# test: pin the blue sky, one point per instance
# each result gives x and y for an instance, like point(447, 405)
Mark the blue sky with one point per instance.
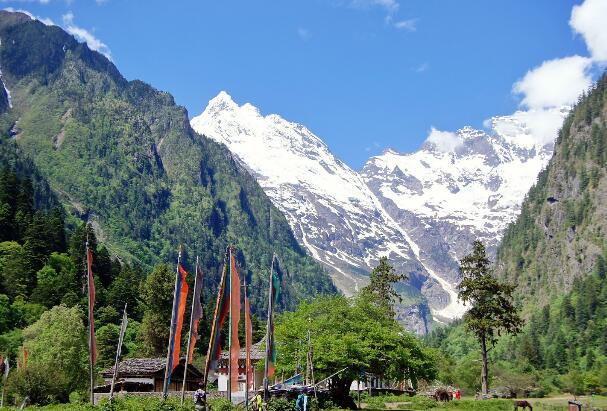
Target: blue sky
point(362, 74)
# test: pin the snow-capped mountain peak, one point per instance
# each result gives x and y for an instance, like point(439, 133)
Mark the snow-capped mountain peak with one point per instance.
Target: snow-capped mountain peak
point(421, 209)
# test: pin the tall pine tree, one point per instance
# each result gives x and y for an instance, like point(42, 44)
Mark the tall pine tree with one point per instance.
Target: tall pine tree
point(491, 309)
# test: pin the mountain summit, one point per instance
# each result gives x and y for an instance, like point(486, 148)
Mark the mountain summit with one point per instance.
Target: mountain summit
point(422, 210)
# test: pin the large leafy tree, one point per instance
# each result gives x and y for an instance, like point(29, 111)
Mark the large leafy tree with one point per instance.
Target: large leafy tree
point(58, 340)
point(492, 311)
point(157, 299)
point(353, 335)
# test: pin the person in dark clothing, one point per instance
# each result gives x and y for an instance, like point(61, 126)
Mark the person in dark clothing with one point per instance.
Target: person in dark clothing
point(200, 399)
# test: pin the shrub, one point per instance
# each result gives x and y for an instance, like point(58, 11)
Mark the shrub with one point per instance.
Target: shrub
point(281, 404)
point(221, 404)
point(41, 383)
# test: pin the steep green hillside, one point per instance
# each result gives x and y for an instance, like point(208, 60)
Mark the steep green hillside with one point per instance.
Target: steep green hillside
point(122, 155)
point(555, 253)
point(561, 230)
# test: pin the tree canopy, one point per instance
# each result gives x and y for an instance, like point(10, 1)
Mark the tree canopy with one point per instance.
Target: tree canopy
point(350, 333)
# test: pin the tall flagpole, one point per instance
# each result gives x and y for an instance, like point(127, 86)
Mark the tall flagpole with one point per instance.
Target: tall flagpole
point(165, 389)
point(229, 392)
point(268, 334)
point(247, 344)
point(118, 351)
point(88, 287)
point(187, 358)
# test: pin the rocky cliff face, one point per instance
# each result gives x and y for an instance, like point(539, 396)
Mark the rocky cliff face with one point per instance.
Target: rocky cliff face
point(560, 232)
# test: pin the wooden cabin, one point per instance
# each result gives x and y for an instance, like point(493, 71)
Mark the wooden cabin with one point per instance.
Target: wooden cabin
point(147, 375)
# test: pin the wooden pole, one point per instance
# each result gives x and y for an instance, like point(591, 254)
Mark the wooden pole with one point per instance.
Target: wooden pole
point(268, 334)
point(88, 287)
point(118, 351)
point(167, 371)
point(247, 343)
point(187, 355)
point(230, 327)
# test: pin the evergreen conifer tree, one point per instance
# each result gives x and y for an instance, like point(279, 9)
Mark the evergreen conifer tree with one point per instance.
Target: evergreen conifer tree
point(491, 307)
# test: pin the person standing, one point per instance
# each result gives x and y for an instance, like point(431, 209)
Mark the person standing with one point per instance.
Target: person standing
point(200, 399)
point(301, 404)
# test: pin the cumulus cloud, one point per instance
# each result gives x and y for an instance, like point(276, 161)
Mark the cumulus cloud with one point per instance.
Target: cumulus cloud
point(555, 82)
point(86, 36)
point(590, 20)
point(539, 127)
point(445, 141)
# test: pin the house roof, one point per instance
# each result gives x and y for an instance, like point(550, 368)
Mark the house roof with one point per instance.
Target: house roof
point(144, 367)
point(257, 352)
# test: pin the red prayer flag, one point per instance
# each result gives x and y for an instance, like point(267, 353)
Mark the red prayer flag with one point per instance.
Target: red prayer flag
point(196, 313)
point(235, 315)
point(91, 289)
point(183, 295)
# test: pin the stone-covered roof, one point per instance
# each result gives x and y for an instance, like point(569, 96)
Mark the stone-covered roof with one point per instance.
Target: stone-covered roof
point(257, 351)
point(147, 367)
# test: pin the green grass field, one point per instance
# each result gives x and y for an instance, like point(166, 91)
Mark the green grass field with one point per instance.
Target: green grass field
point(558, 403)
point(381, 403)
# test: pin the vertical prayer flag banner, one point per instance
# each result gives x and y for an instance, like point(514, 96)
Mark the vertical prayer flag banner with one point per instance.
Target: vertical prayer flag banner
point(91, 290)
point(235, 316)
point(276, 284)
point(196, 313)
point(179, 307)
point(248, 337)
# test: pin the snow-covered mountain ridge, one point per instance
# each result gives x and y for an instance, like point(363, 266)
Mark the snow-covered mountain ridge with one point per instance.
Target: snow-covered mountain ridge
point(420, 209)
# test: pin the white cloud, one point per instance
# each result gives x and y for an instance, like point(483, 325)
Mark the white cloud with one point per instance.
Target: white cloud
point(44, 20)
point(409, 25)
point(391, 6)
point(84, 35)
point(303, 33)
point(555, 82)
point(590, 20)
point(539, 127)
point(445, 141)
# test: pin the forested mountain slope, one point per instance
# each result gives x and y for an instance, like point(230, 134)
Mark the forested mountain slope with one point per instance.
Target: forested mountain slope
point(560, 233)
point(122, 155)
point(555, 254)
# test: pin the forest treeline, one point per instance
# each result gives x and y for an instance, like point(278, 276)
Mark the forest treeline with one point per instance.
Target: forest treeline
point(43, 296)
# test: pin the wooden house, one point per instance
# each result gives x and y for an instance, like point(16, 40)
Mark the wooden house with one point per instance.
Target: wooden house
point(147, 375)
